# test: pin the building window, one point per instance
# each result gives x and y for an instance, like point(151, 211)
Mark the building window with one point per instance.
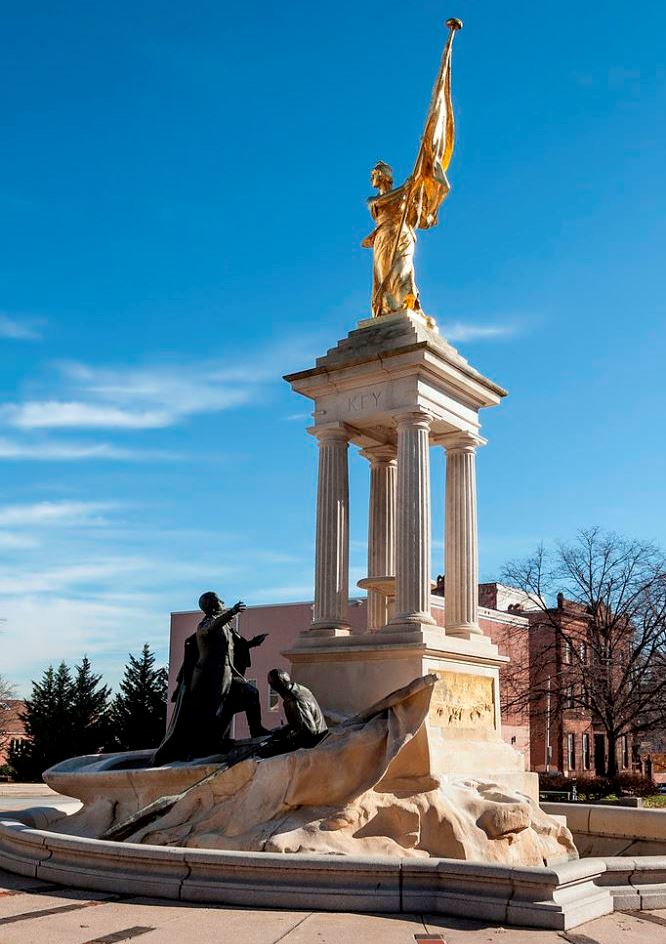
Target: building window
point(571, 751)
point(18, 745)
point(625, 751)
point(568, 651)
point(273, 700)
point(569, 702)
point(582, 652)
point(586, 752)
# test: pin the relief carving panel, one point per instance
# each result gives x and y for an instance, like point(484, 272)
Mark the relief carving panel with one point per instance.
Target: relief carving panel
point(460, 700)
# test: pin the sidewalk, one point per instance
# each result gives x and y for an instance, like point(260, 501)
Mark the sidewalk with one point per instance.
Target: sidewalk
point(26, 790)
point(17, 797)
point(33, 911)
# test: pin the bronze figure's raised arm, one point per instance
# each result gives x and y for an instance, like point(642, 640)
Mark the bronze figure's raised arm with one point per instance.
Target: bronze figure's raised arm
point(398, 212)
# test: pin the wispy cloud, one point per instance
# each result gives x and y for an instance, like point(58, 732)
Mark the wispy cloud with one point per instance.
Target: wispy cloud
point(68, 577)
point(59, 513)
point(18, 329)
point(467, 331)
point(128, 402)
point(10, 540)
point(148, 397)
point(72, 452)
point(106, 628)
point(50, 414)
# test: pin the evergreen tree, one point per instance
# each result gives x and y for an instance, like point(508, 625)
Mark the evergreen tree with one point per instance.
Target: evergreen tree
point(138, 712)
point(48, 719)
point(90, 710)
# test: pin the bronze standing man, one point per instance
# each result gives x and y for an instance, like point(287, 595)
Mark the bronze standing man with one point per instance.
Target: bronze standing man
point(210, 689)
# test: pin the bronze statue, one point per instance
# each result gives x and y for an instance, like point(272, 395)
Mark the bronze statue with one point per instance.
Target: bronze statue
point(210, 689)
point(399, 212)
point(305, 725)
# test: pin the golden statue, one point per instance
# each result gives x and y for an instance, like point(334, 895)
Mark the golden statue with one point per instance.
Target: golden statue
point(399, 212)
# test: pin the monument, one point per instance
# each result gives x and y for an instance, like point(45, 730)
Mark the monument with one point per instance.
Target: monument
point(395, 388)
point(394, 742)
point(391, 765)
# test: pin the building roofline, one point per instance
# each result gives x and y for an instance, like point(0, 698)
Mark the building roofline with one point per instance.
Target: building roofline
point(265, 606)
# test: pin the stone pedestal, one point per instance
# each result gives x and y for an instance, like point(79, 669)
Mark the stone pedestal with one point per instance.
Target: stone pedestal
point(394, 387)
point(461, 737)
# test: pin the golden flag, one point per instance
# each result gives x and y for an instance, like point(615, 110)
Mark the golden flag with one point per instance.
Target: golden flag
point(429, 183)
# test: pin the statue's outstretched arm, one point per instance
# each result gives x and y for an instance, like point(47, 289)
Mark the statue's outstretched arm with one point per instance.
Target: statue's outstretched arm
point(222, 620)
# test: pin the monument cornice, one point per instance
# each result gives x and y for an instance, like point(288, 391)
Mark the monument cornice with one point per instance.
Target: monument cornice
point(438, 358)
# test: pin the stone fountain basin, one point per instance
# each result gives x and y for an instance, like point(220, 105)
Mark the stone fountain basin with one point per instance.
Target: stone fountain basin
point(559, 897)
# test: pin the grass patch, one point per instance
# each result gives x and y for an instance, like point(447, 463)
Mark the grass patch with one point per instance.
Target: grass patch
point(655, 802)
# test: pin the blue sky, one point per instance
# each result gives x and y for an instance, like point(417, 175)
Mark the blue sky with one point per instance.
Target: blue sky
point(182, 200)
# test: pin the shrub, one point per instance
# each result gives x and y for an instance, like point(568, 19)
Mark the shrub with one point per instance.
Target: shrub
point(554, 781)
point(631, 784)
point(594, 788)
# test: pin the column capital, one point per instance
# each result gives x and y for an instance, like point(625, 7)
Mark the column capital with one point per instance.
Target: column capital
point(333, 432)
point(460, 442)
point(384, 453)
point(412, 418)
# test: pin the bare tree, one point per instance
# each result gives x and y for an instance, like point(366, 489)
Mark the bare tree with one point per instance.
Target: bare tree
point(598, 633)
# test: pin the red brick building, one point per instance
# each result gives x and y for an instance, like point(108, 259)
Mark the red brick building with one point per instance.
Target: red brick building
point(566, 734)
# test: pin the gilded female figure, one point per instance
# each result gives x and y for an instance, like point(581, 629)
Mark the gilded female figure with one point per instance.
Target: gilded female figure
point(393, 282)
point(399, 212)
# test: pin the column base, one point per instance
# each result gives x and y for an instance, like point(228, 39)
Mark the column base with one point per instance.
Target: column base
point(411, 631)
point(418, 619)
point(464, 630)
point(327, 630)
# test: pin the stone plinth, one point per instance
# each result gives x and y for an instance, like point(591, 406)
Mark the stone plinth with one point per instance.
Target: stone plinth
point(394, 388)
point(461, 737)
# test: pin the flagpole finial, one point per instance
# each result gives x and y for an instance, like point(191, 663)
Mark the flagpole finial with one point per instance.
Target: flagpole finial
point(454, 23)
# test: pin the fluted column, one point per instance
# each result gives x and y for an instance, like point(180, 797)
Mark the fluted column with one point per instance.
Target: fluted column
point(413, 542)
point(461, 594)
point(332, 542)
point(381, 527)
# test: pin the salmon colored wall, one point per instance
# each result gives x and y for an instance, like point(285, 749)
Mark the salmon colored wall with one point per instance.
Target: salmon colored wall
point(283, 622)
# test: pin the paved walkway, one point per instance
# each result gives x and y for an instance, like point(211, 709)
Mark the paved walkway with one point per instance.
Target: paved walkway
point(21, 796)
point(32, 911)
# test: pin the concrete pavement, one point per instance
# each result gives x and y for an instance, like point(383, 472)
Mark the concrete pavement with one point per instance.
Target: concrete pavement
point(32, 911)
point(15, 797)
